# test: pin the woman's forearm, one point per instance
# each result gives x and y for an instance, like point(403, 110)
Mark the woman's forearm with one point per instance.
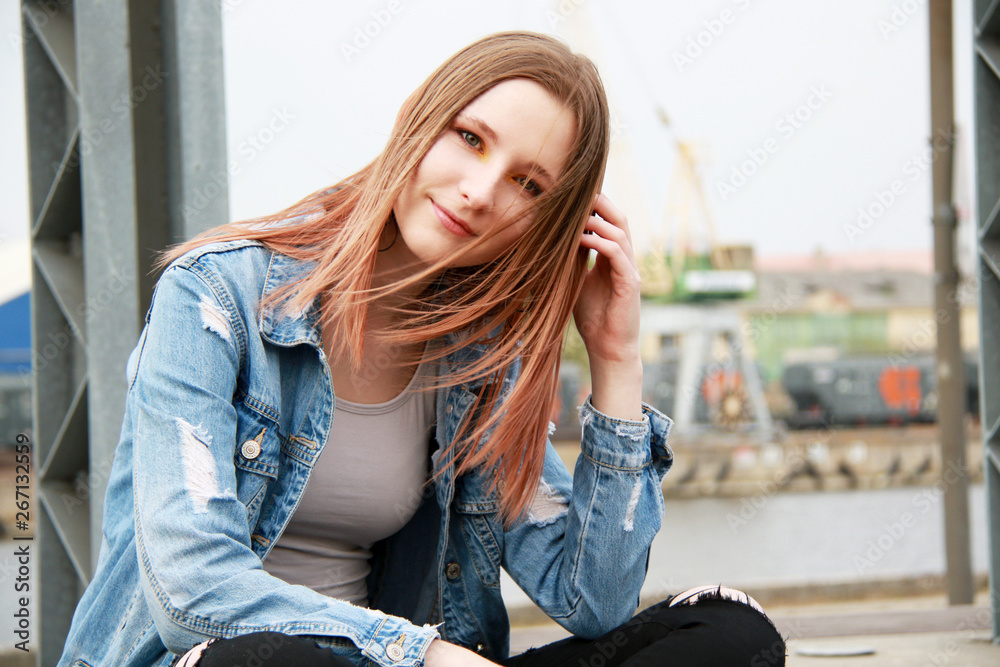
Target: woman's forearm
point(617, 388)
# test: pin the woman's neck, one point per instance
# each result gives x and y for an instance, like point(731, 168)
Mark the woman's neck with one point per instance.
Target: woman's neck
point(395, 362)
point(396, 264)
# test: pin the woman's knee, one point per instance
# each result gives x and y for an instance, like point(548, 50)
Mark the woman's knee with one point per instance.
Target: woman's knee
point(737, 618)
point(725, 620)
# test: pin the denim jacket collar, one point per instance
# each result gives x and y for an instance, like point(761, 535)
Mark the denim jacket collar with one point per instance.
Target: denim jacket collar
point(276, 324)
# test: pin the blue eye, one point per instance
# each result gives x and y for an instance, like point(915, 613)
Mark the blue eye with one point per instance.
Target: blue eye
point(471, 139)
point(529, 186)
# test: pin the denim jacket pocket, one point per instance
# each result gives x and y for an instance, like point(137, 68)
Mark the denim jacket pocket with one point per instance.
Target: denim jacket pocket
point(256, 460)
point(479, 536)
point(482, 535)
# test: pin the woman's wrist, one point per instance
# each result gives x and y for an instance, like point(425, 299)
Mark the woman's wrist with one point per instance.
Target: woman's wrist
point(443, 654)
point(617, 388)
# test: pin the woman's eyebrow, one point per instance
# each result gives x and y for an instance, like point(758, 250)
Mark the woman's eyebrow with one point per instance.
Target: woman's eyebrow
point(480, 125)
point(485, 129)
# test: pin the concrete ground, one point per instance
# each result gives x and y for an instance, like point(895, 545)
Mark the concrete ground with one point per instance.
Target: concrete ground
point(915, 632)
point(912, 631)
point(909, 650)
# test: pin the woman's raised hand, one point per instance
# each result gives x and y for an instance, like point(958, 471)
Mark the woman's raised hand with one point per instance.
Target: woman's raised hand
point(607, 313)
point(442, 654)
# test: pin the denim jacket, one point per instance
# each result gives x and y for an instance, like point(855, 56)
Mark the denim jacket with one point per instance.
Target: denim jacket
point(228, 409)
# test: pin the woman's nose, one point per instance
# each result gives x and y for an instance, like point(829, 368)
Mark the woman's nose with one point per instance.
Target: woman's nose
point(478, 187)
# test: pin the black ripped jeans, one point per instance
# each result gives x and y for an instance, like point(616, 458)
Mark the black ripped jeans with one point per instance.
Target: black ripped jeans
point(709, 633)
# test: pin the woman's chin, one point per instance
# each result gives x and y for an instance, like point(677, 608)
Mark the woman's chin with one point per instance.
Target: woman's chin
point(427, 250)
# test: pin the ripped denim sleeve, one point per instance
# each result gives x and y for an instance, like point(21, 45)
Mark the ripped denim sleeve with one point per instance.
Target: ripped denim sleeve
point(548, 505)
point(213, 319)
point(625, 443)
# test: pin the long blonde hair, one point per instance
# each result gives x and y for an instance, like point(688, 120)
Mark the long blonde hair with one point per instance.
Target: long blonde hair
point(517, 306)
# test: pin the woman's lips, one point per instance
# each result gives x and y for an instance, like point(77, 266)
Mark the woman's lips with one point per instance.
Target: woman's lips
point(451, 222)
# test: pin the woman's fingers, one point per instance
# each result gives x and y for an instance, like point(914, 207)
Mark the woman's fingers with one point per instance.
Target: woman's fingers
point(615, 252)
point(607, 231)
point(604, 207)
point(607, 312)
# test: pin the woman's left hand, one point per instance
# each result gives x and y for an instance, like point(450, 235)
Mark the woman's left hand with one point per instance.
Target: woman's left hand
point(607, 313)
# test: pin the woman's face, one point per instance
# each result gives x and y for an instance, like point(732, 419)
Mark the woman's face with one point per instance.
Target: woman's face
point(482, 174)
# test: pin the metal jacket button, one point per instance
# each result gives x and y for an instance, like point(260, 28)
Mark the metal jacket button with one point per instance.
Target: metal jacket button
point(394, 652)
point(453, 570)
point(250, 449)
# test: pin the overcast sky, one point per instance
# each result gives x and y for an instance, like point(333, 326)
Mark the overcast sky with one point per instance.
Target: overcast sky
point(799, 114)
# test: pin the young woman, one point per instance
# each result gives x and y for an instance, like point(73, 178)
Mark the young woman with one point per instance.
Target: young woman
point(337, 418)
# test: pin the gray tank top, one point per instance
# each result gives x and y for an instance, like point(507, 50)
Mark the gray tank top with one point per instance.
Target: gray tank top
point(365, 486)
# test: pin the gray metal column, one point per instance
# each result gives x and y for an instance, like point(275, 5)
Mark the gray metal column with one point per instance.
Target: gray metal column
point(986, 86)
point(59, 358)
point(126, 135)
point(950, 368)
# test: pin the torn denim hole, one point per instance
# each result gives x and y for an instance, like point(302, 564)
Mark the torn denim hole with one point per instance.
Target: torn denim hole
point(586, 416)
point(200, 479)
point(634, 432)
point(552, 428)
point(299, 314)
point(633, 502)
point(213, 319)
point(547, 506)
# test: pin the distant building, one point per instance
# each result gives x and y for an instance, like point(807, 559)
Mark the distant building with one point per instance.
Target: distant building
point(808, 308)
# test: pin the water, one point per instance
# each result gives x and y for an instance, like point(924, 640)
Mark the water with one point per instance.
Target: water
point(802, 539)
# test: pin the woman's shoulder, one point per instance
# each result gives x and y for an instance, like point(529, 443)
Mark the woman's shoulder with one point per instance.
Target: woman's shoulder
point(246, 269)
point(241, 253)
point(233, 261)
point(234, 270)
point(222, 252)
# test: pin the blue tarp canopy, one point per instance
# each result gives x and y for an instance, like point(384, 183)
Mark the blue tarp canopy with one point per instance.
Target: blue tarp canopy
point(15, 307)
